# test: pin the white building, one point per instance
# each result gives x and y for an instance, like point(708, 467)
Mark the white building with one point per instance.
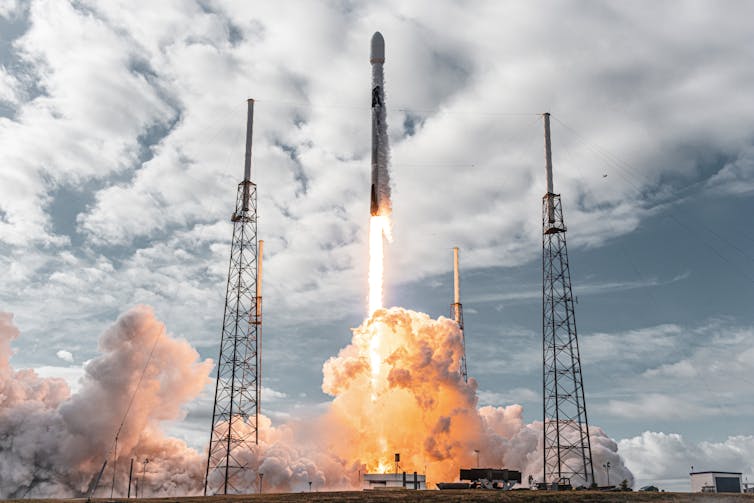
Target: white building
point(394, 481)
point(715, 482)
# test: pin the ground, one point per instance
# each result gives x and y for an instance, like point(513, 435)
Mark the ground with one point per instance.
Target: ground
point(431, 496)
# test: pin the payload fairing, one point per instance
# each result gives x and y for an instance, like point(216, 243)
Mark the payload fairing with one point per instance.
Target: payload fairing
point(380, 193)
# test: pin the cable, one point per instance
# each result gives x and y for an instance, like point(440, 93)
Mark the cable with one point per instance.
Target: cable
point(655, 303)
point(394, 109)
point(625, 168)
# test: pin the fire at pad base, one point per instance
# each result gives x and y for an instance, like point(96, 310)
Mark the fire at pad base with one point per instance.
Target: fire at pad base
point(377, 481)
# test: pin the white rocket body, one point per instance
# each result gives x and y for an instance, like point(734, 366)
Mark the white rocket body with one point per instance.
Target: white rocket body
point(380, 191)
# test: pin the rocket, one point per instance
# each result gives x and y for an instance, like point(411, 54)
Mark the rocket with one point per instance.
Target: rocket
point(380, 191)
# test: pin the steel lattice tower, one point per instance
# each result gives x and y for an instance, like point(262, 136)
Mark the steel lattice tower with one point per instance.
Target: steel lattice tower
point(456, 312)
point(236, 410)
point(567, 447)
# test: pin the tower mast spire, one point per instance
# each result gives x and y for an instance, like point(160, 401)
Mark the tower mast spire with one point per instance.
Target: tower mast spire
point(456, 311)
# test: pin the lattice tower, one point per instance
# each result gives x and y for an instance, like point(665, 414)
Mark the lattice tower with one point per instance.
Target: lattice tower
point(235, 413)
point(567, 446)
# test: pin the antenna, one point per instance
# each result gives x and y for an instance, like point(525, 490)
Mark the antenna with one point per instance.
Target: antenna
point(548, 170)
point(247, 159)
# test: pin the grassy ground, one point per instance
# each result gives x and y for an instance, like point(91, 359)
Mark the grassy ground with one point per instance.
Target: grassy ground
point(441, 496)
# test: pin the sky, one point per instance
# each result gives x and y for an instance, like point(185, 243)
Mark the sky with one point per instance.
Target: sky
point(122, 144)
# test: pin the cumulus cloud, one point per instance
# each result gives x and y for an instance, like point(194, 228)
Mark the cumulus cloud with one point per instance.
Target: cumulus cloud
point(8, 86)
point(53, 442)
point(65, 355)
point(667, 458)
point(516, 395)
point(122, 155)
point(69, 50)
point(177, 83)
point(657, 406)
point(737, 176)
point(674, 372)
point(272, 394)
point(8, 7)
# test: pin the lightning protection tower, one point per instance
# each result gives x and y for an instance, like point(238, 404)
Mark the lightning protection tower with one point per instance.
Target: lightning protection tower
point(235, 413)
point(567, 448)
point(456, 311)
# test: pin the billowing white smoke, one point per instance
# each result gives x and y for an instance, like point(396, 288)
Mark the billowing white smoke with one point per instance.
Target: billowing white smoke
point(292, 455)
point(52, 443)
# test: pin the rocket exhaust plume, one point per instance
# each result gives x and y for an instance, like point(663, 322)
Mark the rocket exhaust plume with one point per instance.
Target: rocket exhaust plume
point(379, 230)
point(422, 407)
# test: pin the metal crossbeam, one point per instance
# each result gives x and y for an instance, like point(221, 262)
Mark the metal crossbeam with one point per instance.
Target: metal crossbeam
point(235, 414)
point(567, 447)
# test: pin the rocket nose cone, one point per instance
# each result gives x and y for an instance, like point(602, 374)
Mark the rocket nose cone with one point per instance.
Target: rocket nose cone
point(377, 54)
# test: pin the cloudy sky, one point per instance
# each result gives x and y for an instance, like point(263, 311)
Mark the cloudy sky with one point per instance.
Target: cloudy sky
point(121, 145)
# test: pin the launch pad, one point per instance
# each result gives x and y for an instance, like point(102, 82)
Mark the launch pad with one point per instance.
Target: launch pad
point(381, 481)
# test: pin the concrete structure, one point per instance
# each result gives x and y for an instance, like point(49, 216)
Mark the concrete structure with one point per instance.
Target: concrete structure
point(715, 482)
point(394, 481)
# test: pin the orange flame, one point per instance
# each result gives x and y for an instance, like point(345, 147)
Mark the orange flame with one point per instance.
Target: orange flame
point(420, 405)
point(379, 229)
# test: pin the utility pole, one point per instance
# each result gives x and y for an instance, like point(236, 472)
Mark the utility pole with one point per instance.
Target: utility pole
point(130, 475)
point(143, 474)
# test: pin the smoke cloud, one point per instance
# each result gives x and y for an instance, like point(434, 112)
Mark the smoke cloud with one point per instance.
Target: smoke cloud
point(422, 408)
point(53, 443)
point(396, 388)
